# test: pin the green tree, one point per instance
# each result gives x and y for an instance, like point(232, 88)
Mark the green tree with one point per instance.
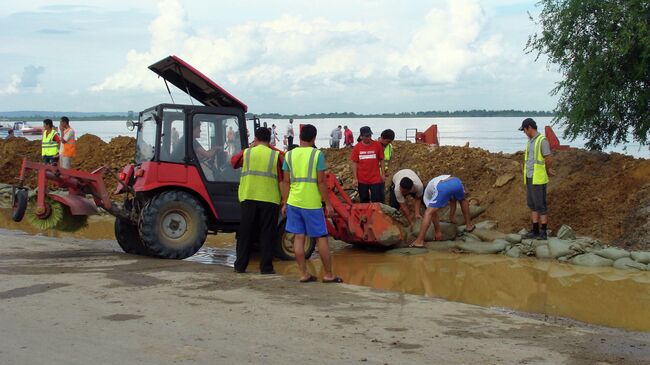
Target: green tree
point(602, 49)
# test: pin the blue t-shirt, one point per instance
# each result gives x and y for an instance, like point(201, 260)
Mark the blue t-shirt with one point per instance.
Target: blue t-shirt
point(320, 163)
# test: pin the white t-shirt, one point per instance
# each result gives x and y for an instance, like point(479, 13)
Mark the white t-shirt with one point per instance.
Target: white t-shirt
point(431, 192)
point(418, 187)
point(290, 130)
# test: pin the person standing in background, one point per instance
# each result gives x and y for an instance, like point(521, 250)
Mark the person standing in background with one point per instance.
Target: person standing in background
point(10, 135)
point(348, 138)
point(50, 143)
point(290, 133)
point(386, 139)
point(68, 143)
point(538, 166)
point(336, 136)
point(274, 136)
point(368, 167)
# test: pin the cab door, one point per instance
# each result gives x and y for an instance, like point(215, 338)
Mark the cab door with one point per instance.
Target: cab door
point(216, 136)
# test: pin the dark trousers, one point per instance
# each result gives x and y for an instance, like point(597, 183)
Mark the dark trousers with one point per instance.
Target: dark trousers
point(289, 141)
point(50, 160)
point(371, 192)
point(258, 220)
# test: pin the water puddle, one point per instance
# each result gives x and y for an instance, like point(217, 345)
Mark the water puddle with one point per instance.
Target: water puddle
point(604, 296)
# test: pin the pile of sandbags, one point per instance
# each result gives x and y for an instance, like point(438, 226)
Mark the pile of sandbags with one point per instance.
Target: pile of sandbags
point(566, 247)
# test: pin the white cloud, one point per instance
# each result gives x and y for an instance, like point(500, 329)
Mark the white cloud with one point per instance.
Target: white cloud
point(27, 81)
point(292, 55)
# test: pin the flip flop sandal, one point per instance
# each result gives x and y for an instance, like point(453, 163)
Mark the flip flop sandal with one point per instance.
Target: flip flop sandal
point(310, 279)
point(336, 279)
point(471, 230)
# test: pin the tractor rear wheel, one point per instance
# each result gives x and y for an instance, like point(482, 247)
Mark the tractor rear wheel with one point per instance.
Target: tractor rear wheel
point(19, 205)
point(284, 245)
point(173, 225)
point(128, 237)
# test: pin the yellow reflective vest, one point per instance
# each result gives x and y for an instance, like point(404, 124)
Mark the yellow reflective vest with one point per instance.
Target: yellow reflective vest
point(388, 153)
point(540, 176)
point(259, 175)
point(304, 193)
point(49, 148)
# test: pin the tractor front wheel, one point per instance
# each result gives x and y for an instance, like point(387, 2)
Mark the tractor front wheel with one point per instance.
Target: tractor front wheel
point(173, 225)
point(284, 245)
point(128, 237)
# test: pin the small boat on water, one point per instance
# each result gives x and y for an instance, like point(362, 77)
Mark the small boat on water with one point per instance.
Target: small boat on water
point(24, 128)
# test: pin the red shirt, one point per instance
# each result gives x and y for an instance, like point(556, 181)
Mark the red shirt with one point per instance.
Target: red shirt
point(349, 139)
point(368, 158)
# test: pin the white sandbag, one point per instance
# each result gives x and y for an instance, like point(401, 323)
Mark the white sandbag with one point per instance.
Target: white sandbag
point(488, 235)
point(626, 263)
point(471, 237)
point(612, 253)
point(448, 231)
point(641, 256)
point(483, 247)
point(489, 225)
point(513, 238)
point(542, 252)
point(566, 233)
point(558, 247)
point(514, 252)
point(591, 259)
point(523, 232)
point(441, 245)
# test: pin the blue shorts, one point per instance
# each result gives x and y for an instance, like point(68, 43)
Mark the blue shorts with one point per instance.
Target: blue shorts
point(310, 222)
point(452, 188)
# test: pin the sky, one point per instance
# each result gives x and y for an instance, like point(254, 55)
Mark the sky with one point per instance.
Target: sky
point(277, 56)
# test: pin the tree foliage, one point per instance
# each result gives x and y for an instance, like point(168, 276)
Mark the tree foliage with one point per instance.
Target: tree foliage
point(602, 49)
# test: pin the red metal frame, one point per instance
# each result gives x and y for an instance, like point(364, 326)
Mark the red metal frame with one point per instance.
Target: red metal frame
point(78, 183)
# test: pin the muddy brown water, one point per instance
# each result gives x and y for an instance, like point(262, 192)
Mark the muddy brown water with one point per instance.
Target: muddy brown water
point(604, 296)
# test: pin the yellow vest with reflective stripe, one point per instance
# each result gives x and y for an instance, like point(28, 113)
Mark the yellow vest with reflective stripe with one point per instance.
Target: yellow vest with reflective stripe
point(49, 148)
point(304, 191)
point(388, 153)
point(540, 177)
point(259, 175)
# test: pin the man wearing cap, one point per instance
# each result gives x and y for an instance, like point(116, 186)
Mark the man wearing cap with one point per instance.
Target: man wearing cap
point(538, 166)
point(368, 167)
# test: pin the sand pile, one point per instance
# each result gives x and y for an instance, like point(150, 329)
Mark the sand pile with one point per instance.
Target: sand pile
point(92, 153)
point(601, 195)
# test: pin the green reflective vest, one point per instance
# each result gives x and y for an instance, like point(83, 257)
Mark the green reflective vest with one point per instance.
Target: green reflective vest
point(388, 153)
point(259, 175)
point(540, 177)
point(304, 191)
point(49, 148)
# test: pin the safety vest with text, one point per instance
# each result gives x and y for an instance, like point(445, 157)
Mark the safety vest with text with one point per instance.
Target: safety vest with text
point(259, 175)
point(304, 191)
point(540, 176)
point(69, 147)
point(49, 148)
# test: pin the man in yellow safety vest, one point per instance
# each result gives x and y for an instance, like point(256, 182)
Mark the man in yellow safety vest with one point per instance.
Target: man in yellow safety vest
point(259, 196)
point(49, 143)
point(386, 139)
point(538, 166)
point(303, 192)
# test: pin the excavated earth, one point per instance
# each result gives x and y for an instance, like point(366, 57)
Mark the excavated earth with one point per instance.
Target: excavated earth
point(606, 196)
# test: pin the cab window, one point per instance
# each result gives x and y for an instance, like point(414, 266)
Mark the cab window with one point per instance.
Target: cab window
point(215, 139)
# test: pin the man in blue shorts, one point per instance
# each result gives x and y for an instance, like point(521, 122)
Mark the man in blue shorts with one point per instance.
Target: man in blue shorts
point(440, 191)
point(303, 191)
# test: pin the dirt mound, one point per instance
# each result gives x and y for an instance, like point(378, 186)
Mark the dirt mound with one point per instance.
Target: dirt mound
point(92, 153)
point(602, 195)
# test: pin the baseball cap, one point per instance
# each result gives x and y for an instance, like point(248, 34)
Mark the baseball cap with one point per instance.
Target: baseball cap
point(365, 131)
point(528, 122)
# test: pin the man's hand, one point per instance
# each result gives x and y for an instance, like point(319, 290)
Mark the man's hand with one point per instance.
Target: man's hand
point(329, 209)
point(438, 236)
point(283, 210)
point(551, 172)
point(418, 215)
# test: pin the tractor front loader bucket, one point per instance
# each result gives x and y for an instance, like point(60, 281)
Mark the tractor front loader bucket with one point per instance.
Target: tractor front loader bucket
point(372, 224)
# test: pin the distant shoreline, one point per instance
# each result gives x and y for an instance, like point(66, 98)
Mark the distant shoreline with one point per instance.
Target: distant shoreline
point(12, 116)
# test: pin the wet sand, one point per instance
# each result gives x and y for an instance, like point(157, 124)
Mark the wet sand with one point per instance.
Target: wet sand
point(68, 301)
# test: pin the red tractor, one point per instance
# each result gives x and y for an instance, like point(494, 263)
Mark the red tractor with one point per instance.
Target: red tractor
point(182, 186)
